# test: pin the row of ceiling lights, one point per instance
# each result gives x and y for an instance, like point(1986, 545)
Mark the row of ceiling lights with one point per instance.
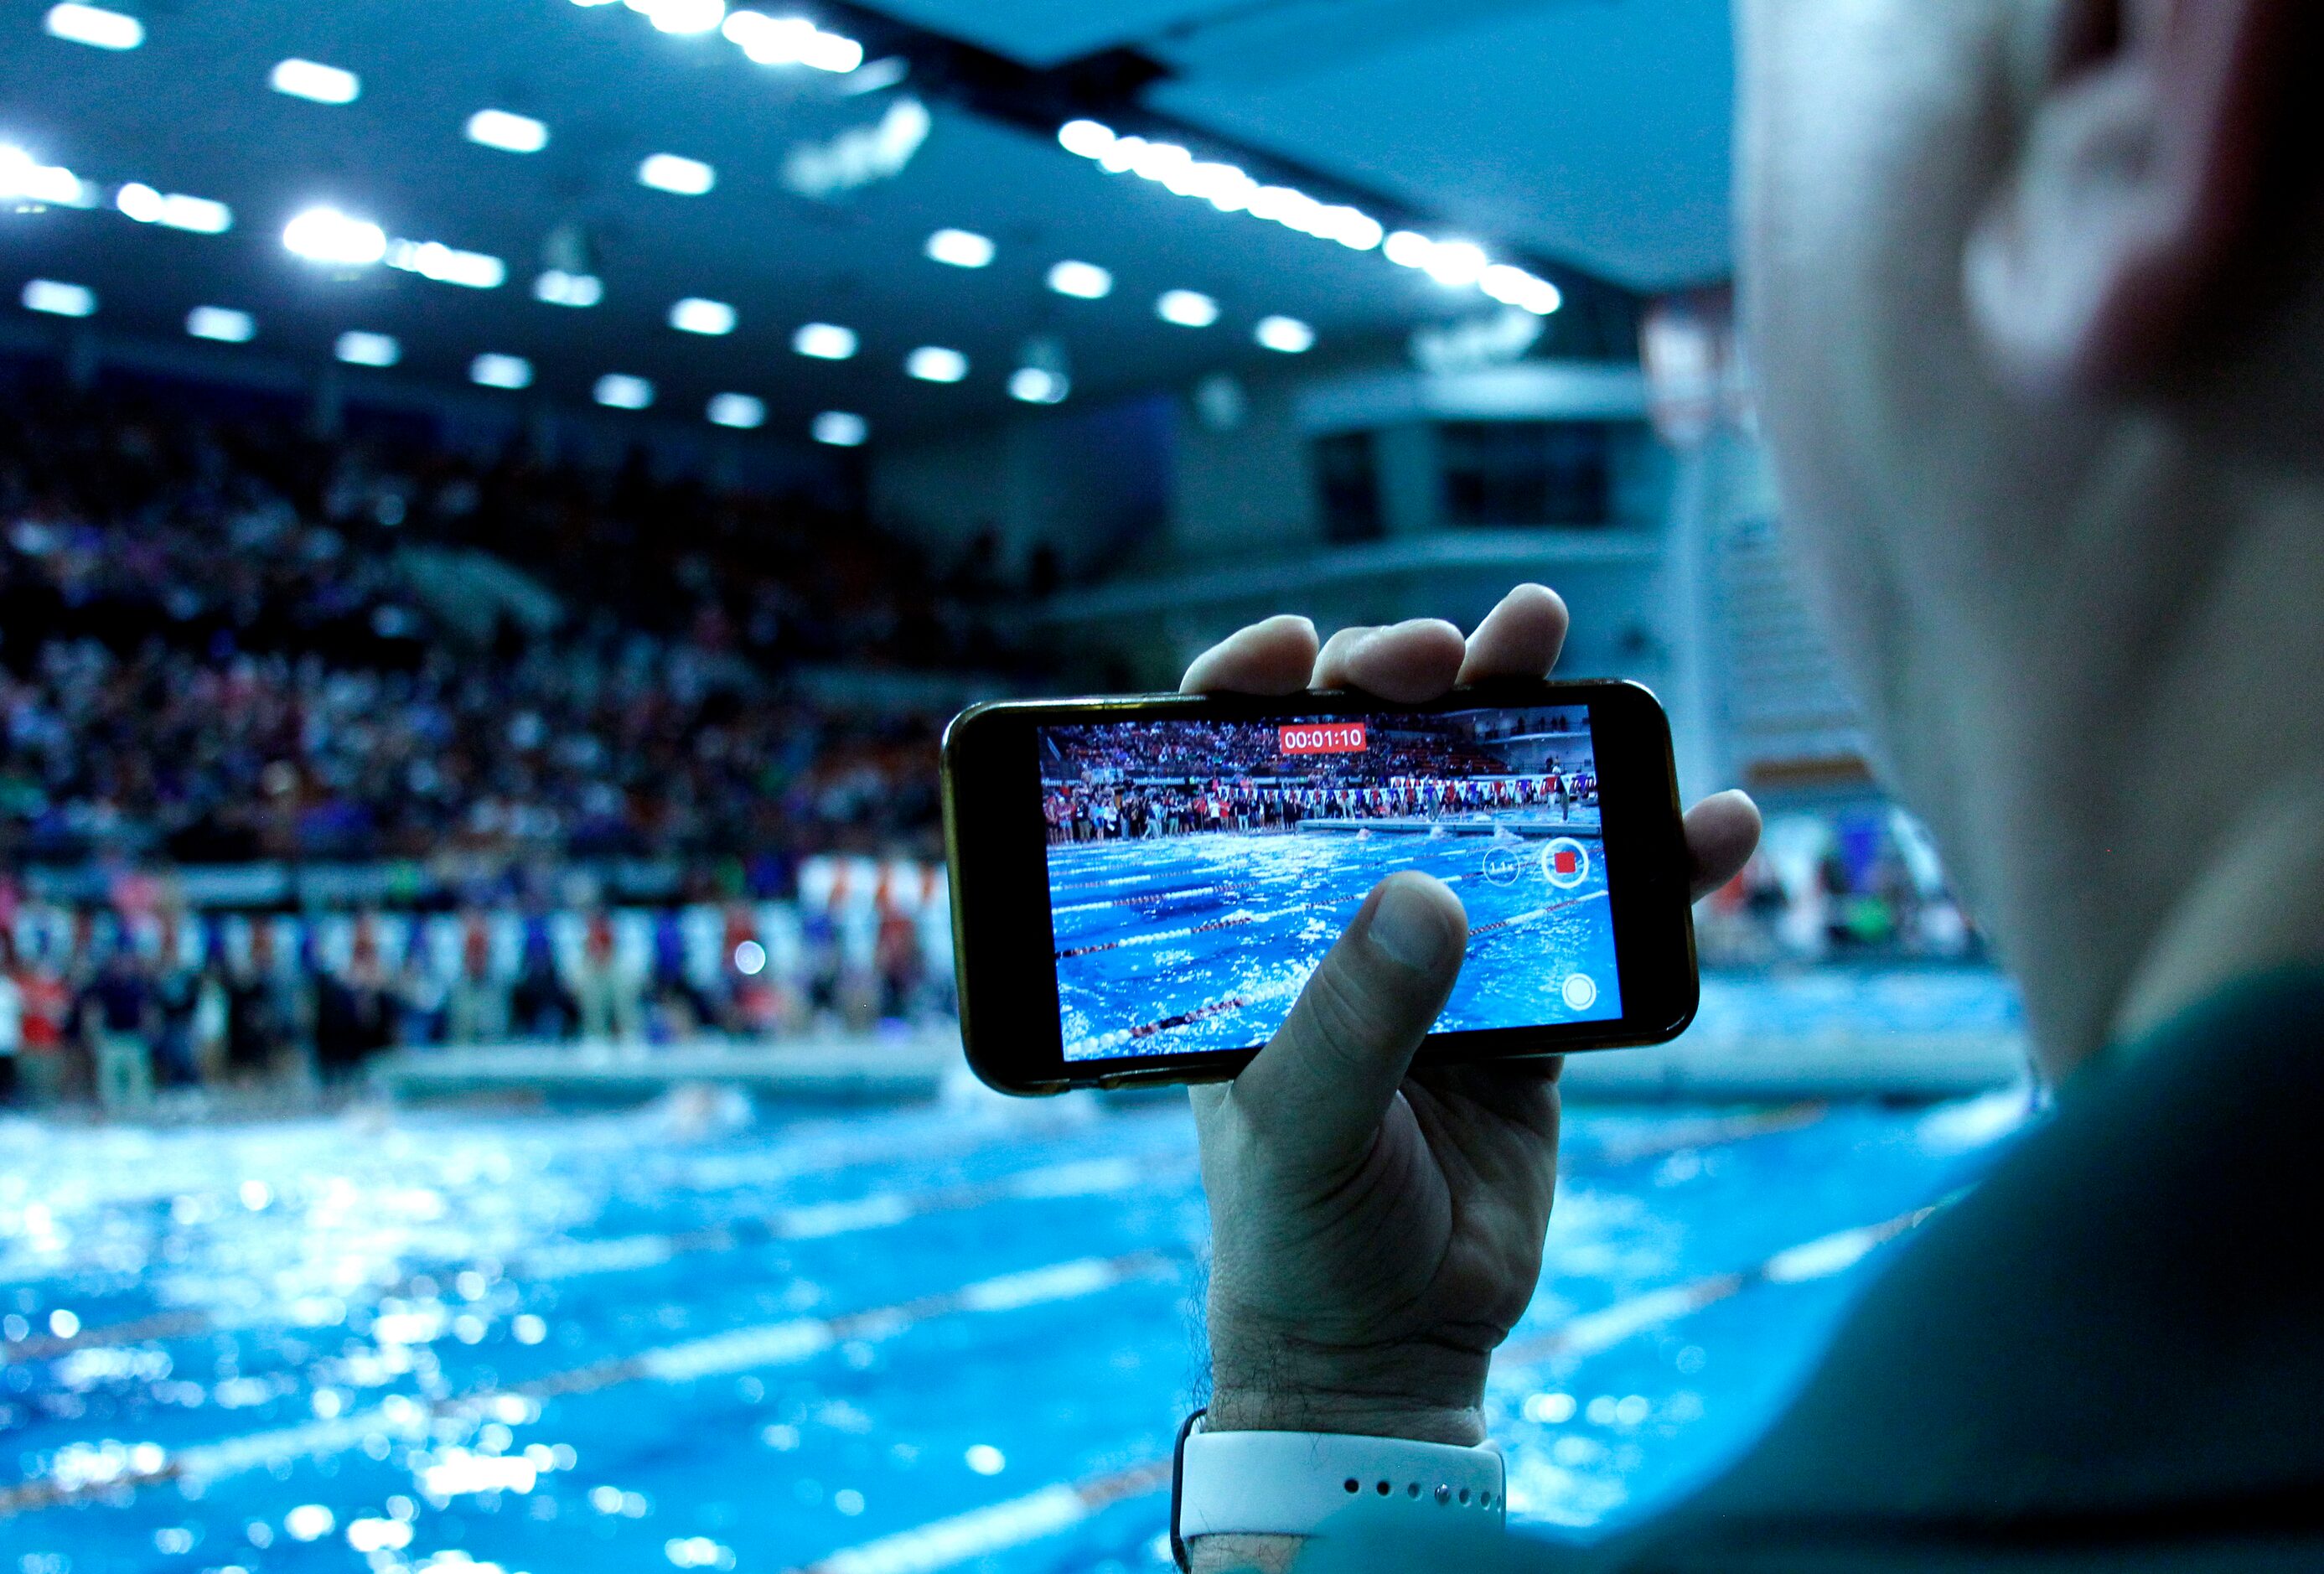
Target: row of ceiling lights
point(1457, 264)
point(615, 390)
point(326, 236)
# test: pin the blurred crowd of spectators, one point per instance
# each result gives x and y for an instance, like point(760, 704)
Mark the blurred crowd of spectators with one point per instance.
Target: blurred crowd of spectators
point(98, 1006)
point(213, 650)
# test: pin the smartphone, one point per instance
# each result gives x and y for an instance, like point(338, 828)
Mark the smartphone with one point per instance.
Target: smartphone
point(1141, 885)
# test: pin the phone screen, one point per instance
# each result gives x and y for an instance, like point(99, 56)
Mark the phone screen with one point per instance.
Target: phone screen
point(1199, 871)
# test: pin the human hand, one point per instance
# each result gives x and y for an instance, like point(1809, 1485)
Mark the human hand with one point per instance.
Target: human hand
point(1376, 1230)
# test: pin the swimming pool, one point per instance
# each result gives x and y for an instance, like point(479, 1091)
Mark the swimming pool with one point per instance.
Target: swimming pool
point(694, 1337)
point(1200, 943)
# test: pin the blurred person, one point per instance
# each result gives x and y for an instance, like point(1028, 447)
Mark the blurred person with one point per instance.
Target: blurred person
point(538, 1005)
point(608, 990)
point(420, 998)
point(210, 1027)
point(120, 1023)
point(476, 1006)
point(2036, 295)
point(900, 964)
point(176, 992)
point(354, 1011)
point(265, 1013)
point(44, 1003)
point(12, 1019)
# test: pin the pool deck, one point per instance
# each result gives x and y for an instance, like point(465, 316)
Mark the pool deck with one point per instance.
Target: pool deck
point(869, 1070)
point(1702, 1067)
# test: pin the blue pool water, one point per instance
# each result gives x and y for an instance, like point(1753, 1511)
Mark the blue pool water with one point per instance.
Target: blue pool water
point(695, 1337)
point(1200, 943)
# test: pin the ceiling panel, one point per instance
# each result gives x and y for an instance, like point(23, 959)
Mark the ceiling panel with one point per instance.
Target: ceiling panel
point(1595, 132)
point(191, 112)
point(1044, 32)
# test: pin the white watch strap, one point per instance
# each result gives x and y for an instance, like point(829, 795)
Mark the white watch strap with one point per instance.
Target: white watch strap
point(1289, 1483)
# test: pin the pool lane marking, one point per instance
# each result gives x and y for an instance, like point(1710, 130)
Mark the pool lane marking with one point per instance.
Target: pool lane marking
point(1820, 1259)
point(1220, 1007)
point(822, 1220)
point(1230, 922)
point(740, 1349)
point(1715, 1132)
point(1148, 899)
point(996, 1527)
point(979, 1533)
point(1535, 915)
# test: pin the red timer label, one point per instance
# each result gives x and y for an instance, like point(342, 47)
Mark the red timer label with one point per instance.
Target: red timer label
point(1324, 738)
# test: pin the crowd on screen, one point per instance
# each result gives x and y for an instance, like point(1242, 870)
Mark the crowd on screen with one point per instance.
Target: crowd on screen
point(1124, 811)
point(211, 650)
point(1185, 750)
point(118, 1009)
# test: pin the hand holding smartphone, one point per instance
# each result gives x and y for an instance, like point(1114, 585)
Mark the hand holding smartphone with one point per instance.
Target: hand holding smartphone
point(1142, 886)
point(1377, 1217)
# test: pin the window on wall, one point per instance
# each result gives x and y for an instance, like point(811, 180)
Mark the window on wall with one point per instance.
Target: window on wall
point(1347, 481)
point(1526, 472)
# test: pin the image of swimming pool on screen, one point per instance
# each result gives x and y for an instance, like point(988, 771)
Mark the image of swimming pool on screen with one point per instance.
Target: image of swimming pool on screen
point(1199, 871)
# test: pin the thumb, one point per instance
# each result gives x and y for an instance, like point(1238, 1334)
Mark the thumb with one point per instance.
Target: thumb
point(1316, 1093)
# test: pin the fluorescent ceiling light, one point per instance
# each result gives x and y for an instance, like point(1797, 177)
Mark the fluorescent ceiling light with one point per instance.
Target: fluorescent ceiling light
point(841, 429)
point(1287, 333)
point(960, 247)
point(222, 323)
point(509, 131)
point(682, 176)
point(325, 235)
point(559, 287)
point(314, 81)
point(826, 341)
point(791, 40)
point(1088, 138)
point(1081, 281)
point(617, 390)
point(92, 24)
point(1516, 286)
point(828, 51)
point(448, 264)
point(1189, 308)
point(491, 370)
point(1036, 385)
point(59, 299)
point(1407, 249)
point(26, 179)
point(936, 363)
point(1456, 263)
point(696, 316)
point(739, 411)
point(683, 17)
point(362, 349)
point(174, 210)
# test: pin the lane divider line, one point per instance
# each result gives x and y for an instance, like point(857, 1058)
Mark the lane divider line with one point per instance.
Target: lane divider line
point(1594, 1331)
point(947, 1541)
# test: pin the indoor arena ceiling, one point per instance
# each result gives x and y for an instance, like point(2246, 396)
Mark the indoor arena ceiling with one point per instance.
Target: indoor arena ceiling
point(1582, 142)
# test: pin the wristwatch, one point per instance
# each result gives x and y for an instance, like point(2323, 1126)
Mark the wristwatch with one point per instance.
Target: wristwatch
point(1290, 1483)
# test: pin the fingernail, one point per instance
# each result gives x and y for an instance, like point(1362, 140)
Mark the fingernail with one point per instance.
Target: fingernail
point(1408, 927)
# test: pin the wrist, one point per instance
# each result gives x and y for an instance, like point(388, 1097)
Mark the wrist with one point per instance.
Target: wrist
point(1359, 1414)
point(1425, 1390)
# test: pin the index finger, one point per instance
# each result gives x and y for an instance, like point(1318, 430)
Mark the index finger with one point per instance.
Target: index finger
point(1272, 656)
